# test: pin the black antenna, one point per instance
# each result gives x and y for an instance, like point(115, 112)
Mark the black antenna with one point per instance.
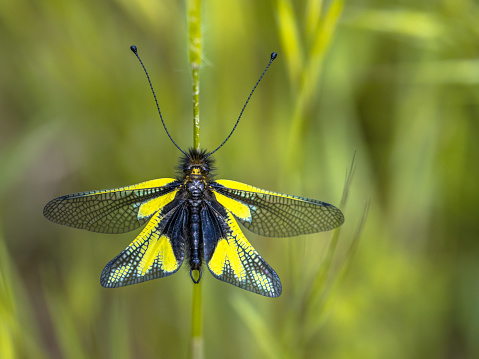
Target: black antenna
point(273, 56)
point(135, 51)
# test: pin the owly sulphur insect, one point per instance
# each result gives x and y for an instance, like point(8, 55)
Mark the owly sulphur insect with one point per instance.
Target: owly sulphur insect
point(196, 217)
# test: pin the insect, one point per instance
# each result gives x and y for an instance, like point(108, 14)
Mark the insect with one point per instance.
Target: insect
point(195, 217)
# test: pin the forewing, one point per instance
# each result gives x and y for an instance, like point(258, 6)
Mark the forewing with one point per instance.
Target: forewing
point(274, 214)
point(232, 259)
point(116, 210)
point(157, 252)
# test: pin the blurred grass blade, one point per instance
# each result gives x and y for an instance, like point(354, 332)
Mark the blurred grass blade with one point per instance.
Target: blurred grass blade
point(10, 331)
point(323, 301)
point(270, 345)
point(18, 337)
point(404, 22)
point(320, 45)
point(319, 284)
point(66, 330)
point(313, 15)
point(21, 153)
point(308, 78)
point(120, 342)
point(290, 40)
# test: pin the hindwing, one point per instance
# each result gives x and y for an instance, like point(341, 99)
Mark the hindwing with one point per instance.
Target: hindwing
point(158, 251)
point(231, 258)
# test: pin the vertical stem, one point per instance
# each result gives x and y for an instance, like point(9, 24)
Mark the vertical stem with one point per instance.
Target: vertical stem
point(197, 323)
point(194, 51)
point(196, 110)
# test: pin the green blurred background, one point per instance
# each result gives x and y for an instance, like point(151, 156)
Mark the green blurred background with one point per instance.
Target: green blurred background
point(397, 82)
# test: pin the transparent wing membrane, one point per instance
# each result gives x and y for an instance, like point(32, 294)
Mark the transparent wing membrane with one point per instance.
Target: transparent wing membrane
point(277, 215)
point(111, 211)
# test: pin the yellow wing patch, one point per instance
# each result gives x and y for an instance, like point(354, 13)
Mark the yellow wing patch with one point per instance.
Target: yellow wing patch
point(226, 255)
point(151, 184)
point(239, 209)
point(236, 261)
point(154, 247)
point(119, 273)
point(150, 207)
point(149, 256)
point(143, 185)
point(160, 249)
point(156, 204)
point(116, 210)
point(280, 215)
point(263, 281)
point(246, 187)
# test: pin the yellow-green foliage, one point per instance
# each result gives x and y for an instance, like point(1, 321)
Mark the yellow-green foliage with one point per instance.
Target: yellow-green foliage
point(397, 83)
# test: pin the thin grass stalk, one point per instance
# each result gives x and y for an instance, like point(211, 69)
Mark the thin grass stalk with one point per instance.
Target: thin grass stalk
point(311, 43)
point(313, 13)
point(326, 299)
point(290, 38)
point(197, 323)
point(9, 330)
point(318, 287)
point(304, 70)
point(194, 52)
point(19, 336)
point(268, 343)
point(309, 80)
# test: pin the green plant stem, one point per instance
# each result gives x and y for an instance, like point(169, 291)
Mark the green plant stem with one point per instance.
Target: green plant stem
point(194, 50)
point(308, 80)
point(197, 323)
